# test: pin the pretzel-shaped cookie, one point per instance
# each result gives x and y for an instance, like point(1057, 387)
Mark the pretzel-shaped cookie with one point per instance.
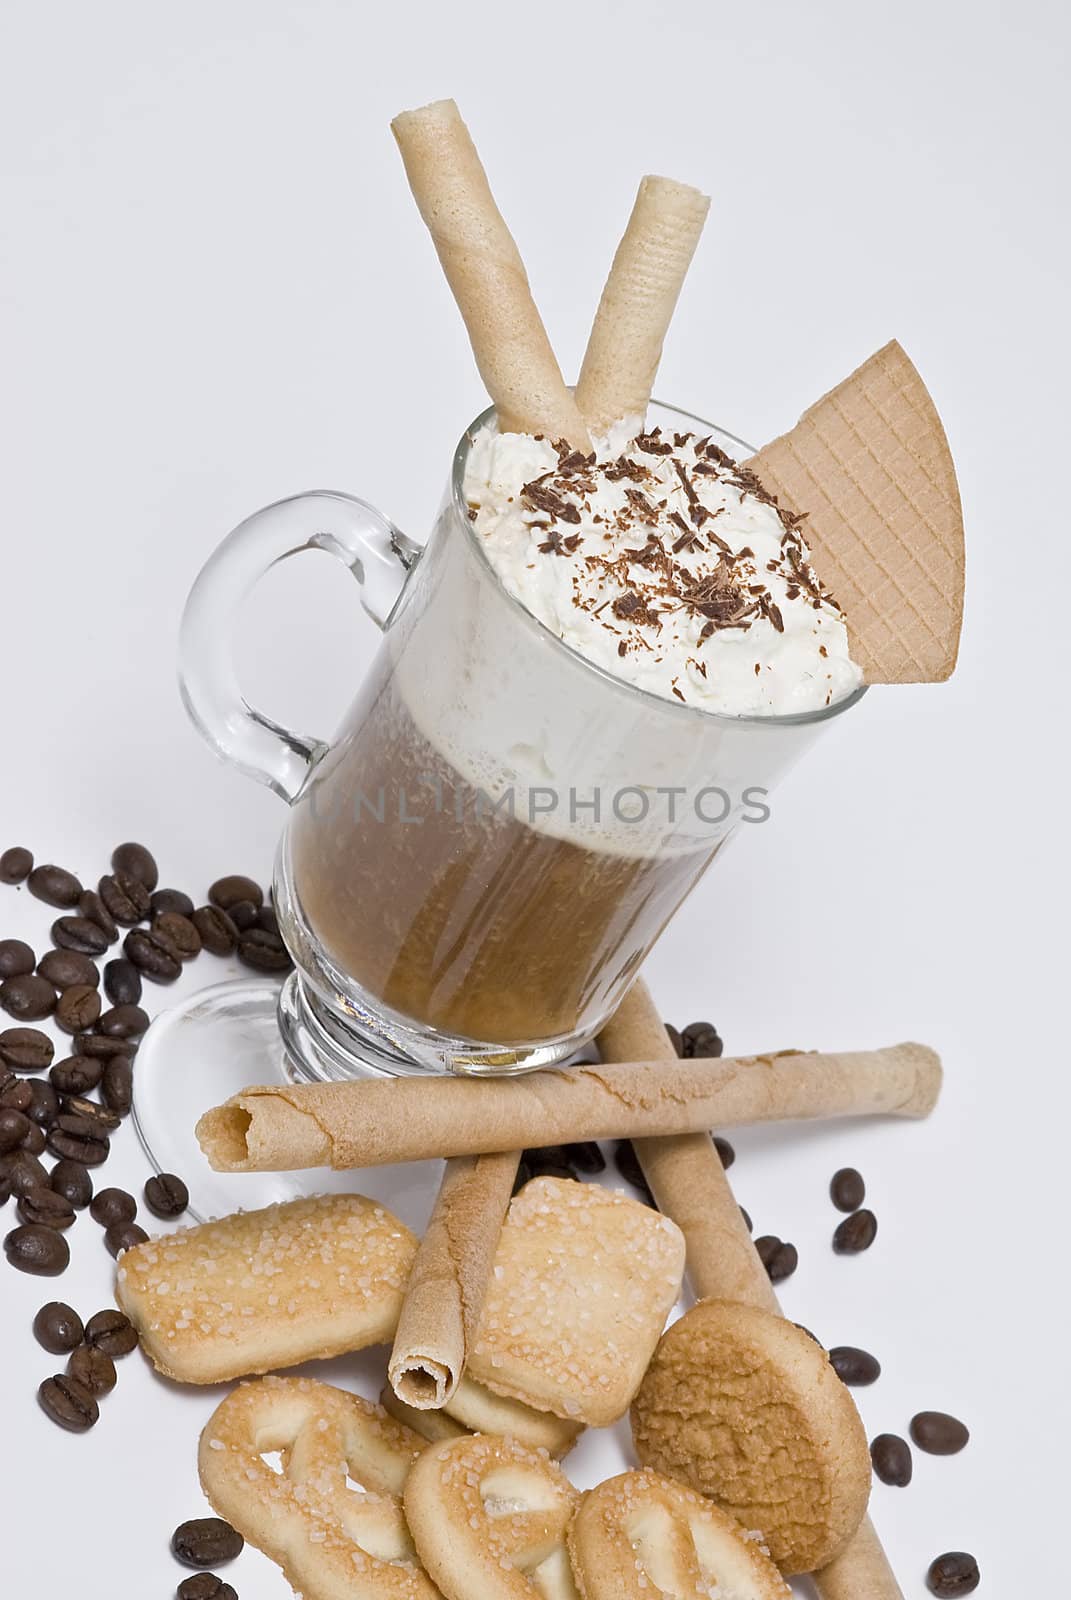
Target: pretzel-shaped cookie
point(488, 1517)
point(334, 1539)
point(640, 1535)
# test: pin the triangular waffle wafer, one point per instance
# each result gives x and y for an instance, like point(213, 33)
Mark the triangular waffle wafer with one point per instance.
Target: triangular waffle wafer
point(870, 466)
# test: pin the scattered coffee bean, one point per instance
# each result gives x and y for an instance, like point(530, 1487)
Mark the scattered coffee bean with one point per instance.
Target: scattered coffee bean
point(113, 1333)
point(25, 1049)
point(204, 1586)
point(14, 1126)
point(68, 1402)
point(243, 914)
point(700, 1039)
point(767, 1246)
point(77, 1139)
point(102, 1117)
point(77, 1008)
point(854, 1367)
point(125, 896)
point(55, 886)
point(103, 1046)
point(16, 1095)
point(218, 933)
point(627, 1163)
point(23, 1172)
point(956, 1572)
point(28, 998)
point(92, 907)
point(138, 862)
point(44, 1103)
point(586, 1157)
point(891, 1459)
point(180, 932)
point(264, 952)
point(171, 900)
point(112, 1207)
point(726, 1153)
point(122, 982)
point(123, 1022)
point(748, 1224)
point(78, 933)
point(16, 958)
point(58, 1328)
point(939, 1434)
point(523, 1176)
point(44, 1208)
point(855, 1233)
point(153, 954)
point(16, 864)
point(34, 1141)
point(549, 1161)
point(124, 1237)
point(206, 1542)
point(71, 1179)
point(267, 921)
point(117, 1085)
point(227, 892)
point(166, 1195)
point(90, 1366)
point(783, 1263)
point(67, 969)
point(36, 1249)
point(847, 1189)
point(76, 1075)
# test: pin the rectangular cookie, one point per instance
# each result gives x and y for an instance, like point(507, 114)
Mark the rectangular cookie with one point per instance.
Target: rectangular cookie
point(300, 1281)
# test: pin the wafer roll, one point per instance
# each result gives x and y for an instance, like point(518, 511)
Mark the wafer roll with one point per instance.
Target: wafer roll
point(369, 1122)
point(486, 275)
point(444, 1298)
point(690, 1185)
point(625, 345)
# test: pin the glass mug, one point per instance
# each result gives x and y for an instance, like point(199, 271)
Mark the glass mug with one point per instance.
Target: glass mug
point(475, 868)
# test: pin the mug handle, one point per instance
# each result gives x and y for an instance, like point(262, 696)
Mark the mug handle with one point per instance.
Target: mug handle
point(378, 555)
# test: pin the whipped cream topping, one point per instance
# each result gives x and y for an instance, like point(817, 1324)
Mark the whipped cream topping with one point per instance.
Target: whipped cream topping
point(664, 562)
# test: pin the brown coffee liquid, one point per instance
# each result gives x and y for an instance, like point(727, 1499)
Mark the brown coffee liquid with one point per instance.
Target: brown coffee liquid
point(468, 921)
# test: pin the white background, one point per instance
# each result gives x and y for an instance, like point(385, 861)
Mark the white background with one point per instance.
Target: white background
point(216, 290)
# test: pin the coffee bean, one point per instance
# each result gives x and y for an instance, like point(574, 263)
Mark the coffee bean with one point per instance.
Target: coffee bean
point(204, 1586)
point(92, 907)
point(855, 1367)
point(67, 969)
point(523, 1176)
point(675, 1039)
point(891, 1459)
point(218, 933)
point(16, 958)
point(78, 933)
point(939, 1434)
point(71, 1179)
point(124, 1237)
point(123, 1022)
point(125, 896)
point(102, 1047)
point(39, 1250)
point(264, 952)
point(171, 900)
point(23, 1172)
point(103, 1118)
point(244, 915)
point(117, 1085)
point(34, 1141)
point(28, 998)
point(90, 1366)
point(55, 886)
point(180, 932)
point(112, 1207)
point(68, 1402)
point(549, 1161)
point(112, 1332)
point(122, 982)
point(586, 1157)
point(767, 1245)
point(267, 921)
point(627, 1163)
point(227, 892)
point(206, 1542)
point(76, 1139)
point(25, 1049)
point(78, 1008)
point(855, 1233)
point(166, 1195)
point(44, 1208)
point(700, 1039)
point(44, 1104)
point(16, 864)
point(138, 862)
point(153, 954)
point(783, 1263)
point(16, 1095)
point(14, 1126)
point(726, 1153)
point(847, 1189)
point(956, 1572)
point(748, 1224)
point(76, 1075)
point(57, 1328)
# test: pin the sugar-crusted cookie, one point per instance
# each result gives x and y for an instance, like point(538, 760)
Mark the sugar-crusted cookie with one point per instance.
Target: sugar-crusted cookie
point(639, 1535)
point(333, 1542)
point(264, 1289)
point(583, 1281)
point(744, 1407)
point(488, 1518)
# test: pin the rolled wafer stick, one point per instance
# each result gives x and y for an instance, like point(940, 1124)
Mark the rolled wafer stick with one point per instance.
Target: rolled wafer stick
point(486, 275)
point(369, 1122)
point(444, 1297)
point(689, 1184)
point(625, 345)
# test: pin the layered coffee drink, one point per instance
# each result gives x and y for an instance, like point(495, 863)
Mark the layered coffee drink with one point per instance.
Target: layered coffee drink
point(504, 827)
